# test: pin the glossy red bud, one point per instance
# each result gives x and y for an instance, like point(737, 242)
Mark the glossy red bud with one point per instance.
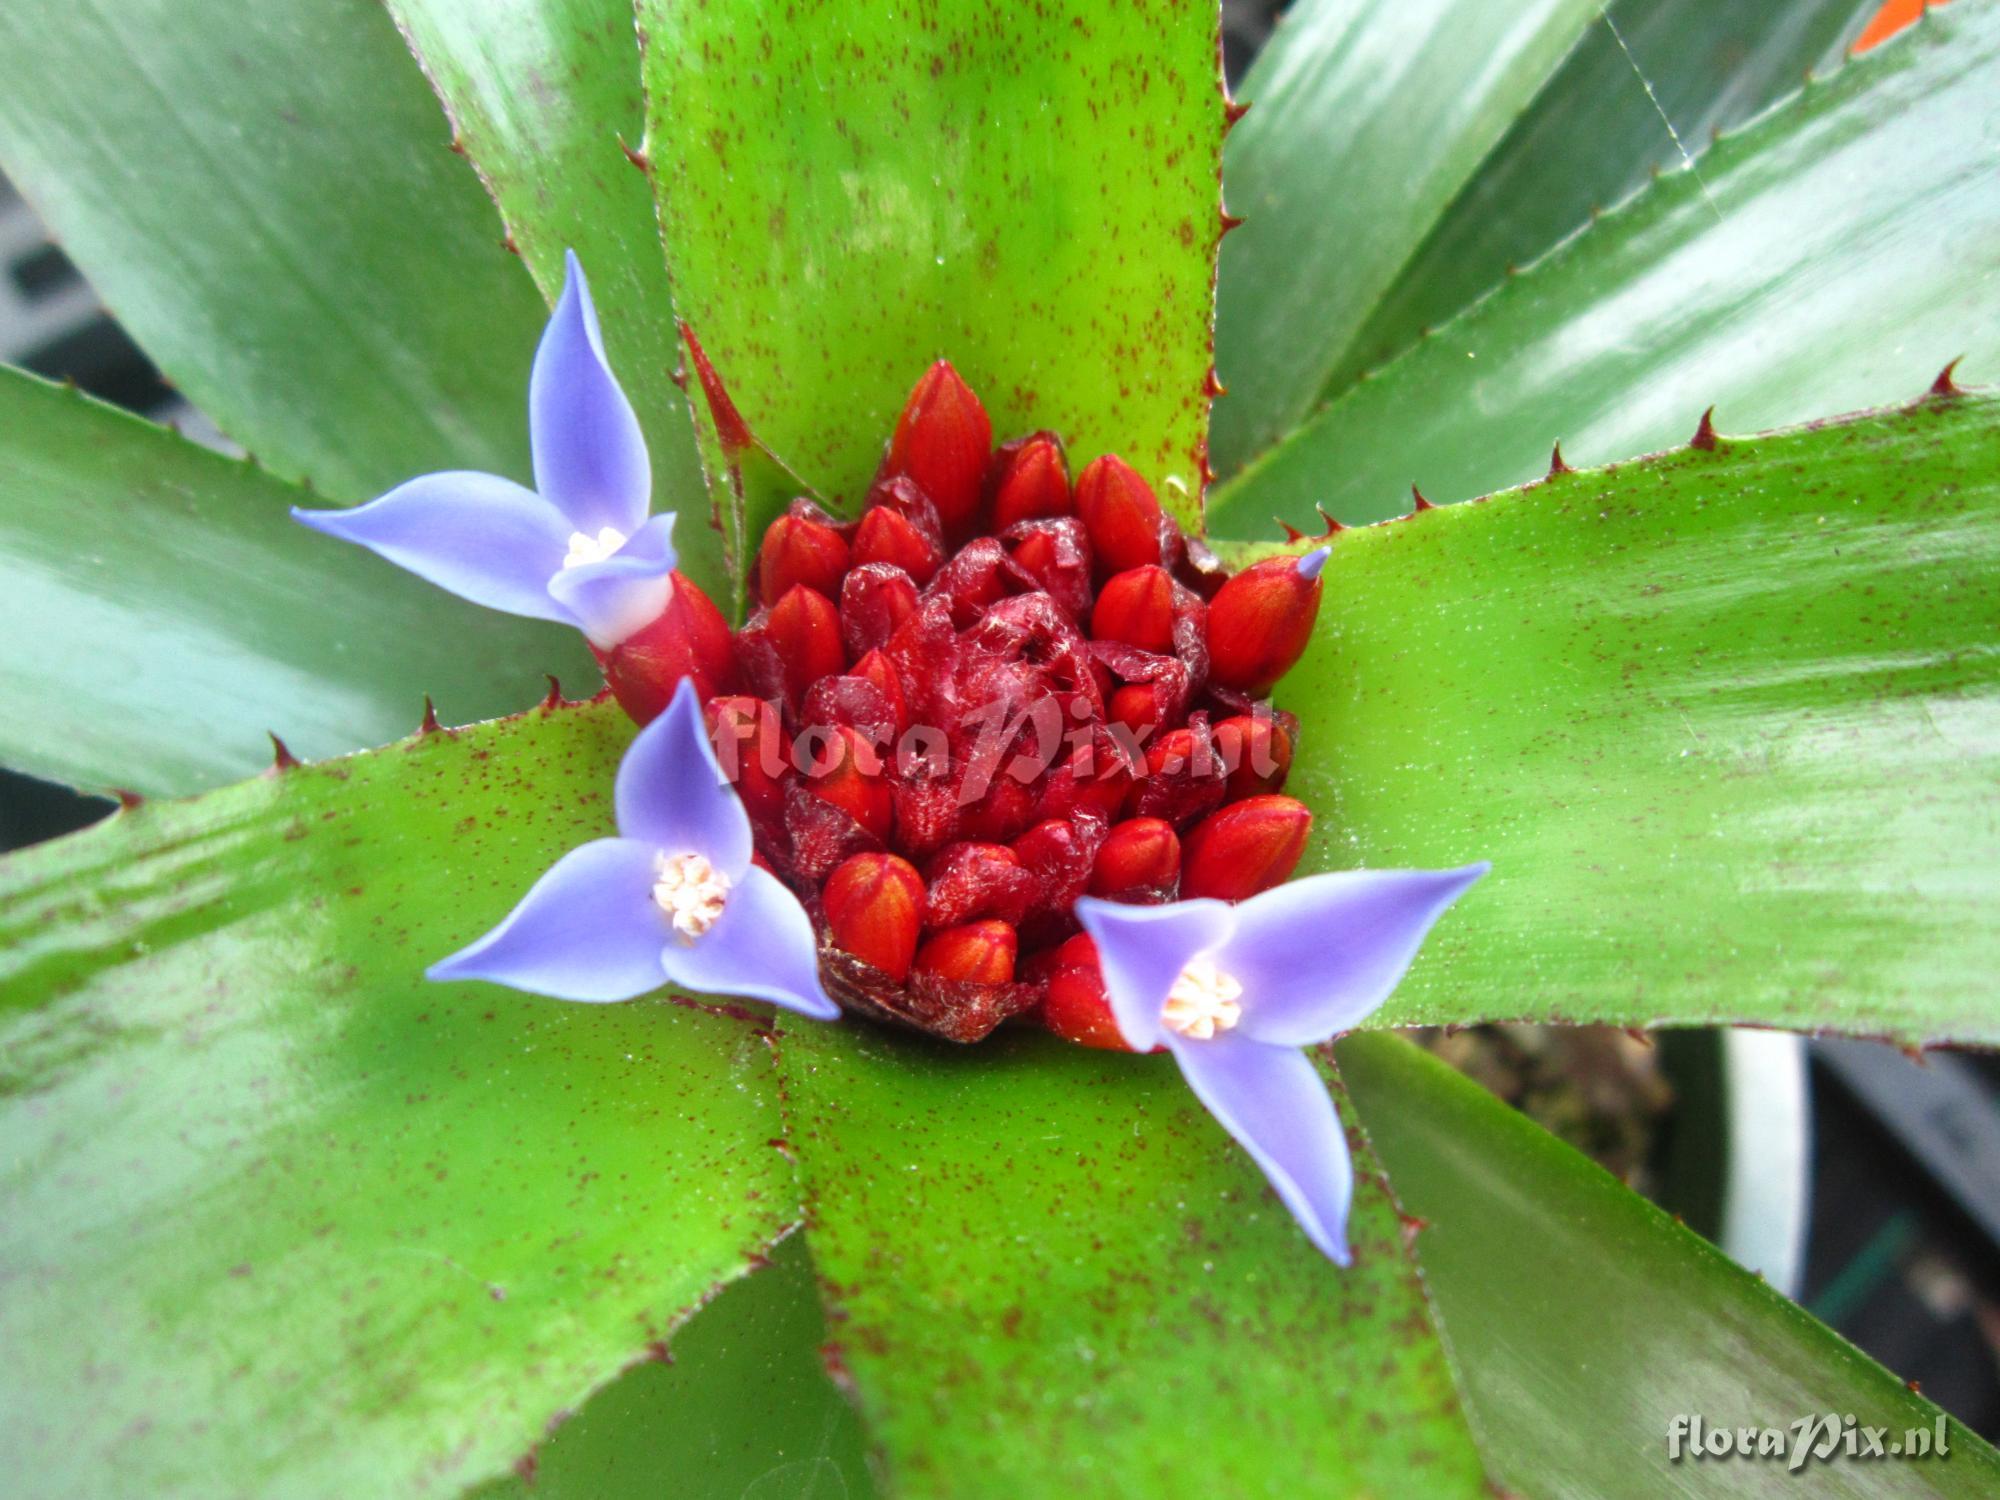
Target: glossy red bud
point(875, 667)
point(846, 772)
point(1030, 481)
point(1120, 513)
point(750, 743)
point(1076, 1007)
point(1256, 751)
point(689, 639)
point(1260, 622)
point(799, 550)
point(874, 908)
point(1139, 706)
point(1056, 554)
point(975, 953)
point(1247, 847)
point(1139, 861)
point(888, 536)
point(874, 599)
point(803, 628)
point(970, 880)
point(1136, 607)
point(942, 441)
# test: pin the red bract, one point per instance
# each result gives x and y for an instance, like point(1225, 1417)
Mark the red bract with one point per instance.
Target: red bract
point(1008, 707)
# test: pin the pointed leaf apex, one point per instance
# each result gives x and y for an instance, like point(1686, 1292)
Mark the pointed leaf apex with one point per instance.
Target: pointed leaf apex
point(634, 155)
point(430, 725)
point(1292, 533)
point(1421, 503)
point(1212, 386)
point(1232, 111)
point(1704, 434)
point(554, 700)
point(1333, 527)
point(1944, 386)
point(1230, 221)
point(282, 759)
point(1556, 464)
point(730, 428)
point(127, 798)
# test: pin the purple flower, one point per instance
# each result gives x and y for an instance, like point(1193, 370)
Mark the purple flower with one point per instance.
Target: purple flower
point(1235, 991)
point(579, 548)
point(673, 898)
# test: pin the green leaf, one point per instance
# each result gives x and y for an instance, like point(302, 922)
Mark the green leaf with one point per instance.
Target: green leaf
point(742, 1410)
point(1726, 722)
point(1050, 1273)
point(1365, 122)
point(277, 1214)
point(1030, 192)
point(545, 97)
point(262, 192)
point(1651, 82)
point(167, 612)
point(1582, 1321)
point(1832, 256)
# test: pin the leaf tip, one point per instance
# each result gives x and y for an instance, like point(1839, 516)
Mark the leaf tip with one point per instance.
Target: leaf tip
point(554, 700)
point(282, 759)
point(508, 243)
point(1945, 386)
point(1421, 504)
point(635, 155)
point(1557, 465)
point(1333, 527)
point(1232, 111)
point(429, 726)
point(128, 799)
point(1704, 432)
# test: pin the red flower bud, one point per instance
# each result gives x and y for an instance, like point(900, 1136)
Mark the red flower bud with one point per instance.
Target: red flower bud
point(888, 536)
point(1256, 751)
point(1076, 1008)
point(800, 550)
point(976, 953)
point(689, 639)
point(1140, 862)
point(1059, 852)
point(876, 668)
point(846, 772)
point(874, 600)
point(1184, 777)
point(1249, 846)
point(750, 743)
point(1056, 554)
point(1140, 706)
point(1030, 481)
point(804, 629)
point(874, 905)
point(976, 880)
point(1120, 513)
point(1136, 607)
point(1260, 622)
point(942, 441)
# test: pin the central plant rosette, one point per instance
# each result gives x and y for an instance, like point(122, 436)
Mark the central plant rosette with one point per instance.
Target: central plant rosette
point(992, 693)
point(998, 749)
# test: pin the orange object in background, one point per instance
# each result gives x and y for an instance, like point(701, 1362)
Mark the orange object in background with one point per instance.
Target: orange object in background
point(1890, 19)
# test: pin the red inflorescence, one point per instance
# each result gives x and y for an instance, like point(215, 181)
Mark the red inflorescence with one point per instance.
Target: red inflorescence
point(993, 693)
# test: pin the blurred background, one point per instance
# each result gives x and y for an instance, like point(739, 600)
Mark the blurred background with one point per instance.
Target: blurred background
point(1862, 1182)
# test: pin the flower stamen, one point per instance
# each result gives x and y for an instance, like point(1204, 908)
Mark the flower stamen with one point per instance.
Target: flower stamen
point(1203, 1001)
point(691, 892)
point(585, 548)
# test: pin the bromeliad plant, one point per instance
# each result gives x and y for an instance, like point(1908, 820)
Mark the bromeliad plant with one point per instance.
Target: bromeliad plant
point(284, 1216)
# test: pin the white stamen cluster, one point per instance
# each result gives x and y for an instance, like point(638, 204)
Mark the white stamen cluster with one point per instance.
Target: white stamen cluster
point(692, 892)
point(585, 548)
point(1203, 1001)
